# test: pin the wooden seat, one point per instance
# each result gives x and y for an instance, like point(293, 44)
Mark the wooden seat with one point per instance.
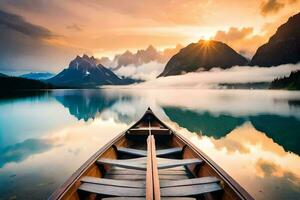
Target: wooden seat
point(113, 182)
point(187, 182)
point(112, 190)
point(138, 152)
point(128, 163)
point(178, 191)
point(142, 184)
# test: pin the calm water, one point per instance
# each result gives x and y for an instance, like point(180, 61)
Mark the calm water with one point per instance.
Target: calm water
point(253, 135)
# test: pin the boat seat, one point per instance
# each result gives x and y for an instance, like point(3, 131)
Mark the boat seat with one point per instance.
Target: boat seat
point(112, 190)
point(178, 191)
point(142, 184)
point(138, 152)
point(131, 164)
point(113, 182)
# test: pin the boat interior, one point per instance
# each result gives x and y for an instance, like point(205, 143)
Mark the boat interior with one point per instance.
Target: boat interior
point(148, 161)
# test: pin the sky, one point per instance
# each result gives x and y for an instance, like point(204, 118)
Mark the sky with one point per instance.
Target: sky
point(45, 35)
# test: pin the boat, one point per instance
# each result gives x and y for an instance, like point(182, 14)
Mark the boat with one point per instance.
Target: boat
point(150, 161)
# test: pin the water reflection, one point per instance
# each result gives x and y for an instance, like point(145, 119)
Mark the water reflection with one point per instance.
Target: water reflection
point(84, 104)
point(253, 135)
point(21, 151)
point(206, 123)
point(283, 130)
point(262, 166)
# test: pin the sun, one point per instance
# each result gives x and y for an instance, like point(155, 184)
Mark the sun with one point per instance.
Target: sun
point(206, 37)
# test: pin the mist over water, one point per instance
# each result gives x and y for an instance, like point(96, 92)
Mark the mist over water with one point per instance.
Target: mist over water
point(206, 79)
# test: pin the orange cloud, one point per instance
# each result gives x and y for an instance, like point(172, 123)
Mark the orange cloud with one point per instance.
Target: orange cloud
point(242, 40)
point(274, 6)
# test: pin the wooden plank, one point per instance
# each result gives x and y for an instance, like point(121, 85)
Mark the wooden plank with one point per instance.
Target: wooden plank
point(143, 177)
point(112, 182)
point(175, 163)
point(193, 181)
point(123, 163)
point(155, 170)
point(191, 190)
point(130, 177)
point(138, 152)
point(149, 176)
point(136, 172)
point(168, 151)
point(126, 172)
point(112, 190)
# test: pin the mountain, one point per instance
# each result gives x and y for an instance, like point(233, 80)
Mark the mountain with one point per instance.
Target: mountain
point(291, 83)
point(38, 75)
point(3, 75)
point(84, 72)
point(142, 56)
point(203, 55)
point(283, 47)
point(17, 83)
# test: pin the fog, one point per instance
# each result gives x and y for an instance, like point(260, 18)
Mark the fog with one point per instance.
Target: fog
point(146, 71)
point(210, 79)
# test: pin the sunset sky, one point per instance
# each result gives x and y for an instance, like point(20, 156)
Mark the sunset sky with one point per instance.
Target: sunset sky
point(45, 35)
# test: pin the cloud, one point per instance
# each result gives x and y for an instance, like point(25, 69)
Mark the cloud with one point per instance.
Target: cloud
point(75, 27)
point(145, 71)
point(211, 79)
point(27, 46)
point(17, 23)
point(274, 6)
point(245, 40)
point(233, 34)
point(271, 7)
point(21, 151)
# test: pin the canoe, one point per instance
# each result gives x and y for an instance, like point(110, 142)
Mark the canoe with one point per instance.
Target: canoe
point(150, 161)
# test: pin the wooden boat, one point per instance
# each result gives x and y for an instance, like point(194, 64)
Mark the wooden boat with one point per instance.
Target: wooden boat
point(150, 161)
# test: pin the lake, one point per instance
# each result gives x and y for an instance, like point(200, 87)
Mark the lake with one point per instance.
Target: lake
point(254, 135)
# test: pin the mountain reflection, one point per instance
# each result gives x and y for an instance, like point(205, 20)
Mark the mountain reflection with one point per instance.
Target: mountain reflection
point(215, 126)
point(21, 151)
point(283, 130)
point(85, 104)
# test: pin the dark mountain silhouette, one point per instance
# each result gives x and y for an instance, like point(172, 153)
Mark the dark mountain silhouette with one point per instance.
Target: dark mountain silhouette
point(291, 82)
point(3, 75)
point(283, 47)
point(203, 55)
point(85, 72)
point(16, 83)
point(38, 75)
